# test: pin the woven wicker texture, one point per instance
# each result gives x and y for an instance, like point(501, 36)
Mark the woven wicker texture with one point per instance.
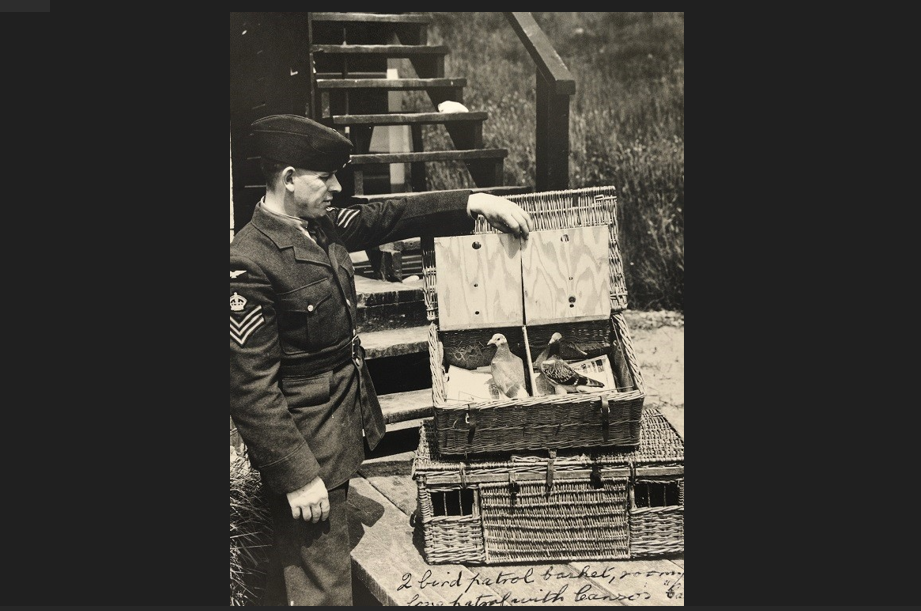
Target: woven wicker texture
point(656, 531)
point(575, 521)
point(659, 444)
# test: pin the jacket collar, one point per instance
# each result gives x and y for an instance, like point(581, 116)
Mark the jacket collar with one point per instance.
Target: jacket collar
point(286, 235)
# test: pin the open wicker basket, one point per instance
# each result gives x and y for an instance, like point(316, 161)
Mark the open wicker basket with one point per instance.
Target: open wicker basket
point(579, 420)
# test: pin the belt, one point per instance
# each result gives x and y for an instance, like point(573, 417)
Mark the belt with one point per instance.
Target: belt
point(314, 364)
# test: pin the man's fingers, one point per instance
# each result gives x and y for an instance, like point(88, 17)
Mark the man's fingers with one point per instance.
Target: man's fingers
point(324, 509)
point(524, 222)
point(296, 512)
point(528, 221)
point(512, 224)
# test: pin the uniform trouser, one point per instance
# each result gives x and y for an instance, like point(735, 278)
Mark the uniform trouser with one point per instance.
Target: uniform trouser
point(310, 563)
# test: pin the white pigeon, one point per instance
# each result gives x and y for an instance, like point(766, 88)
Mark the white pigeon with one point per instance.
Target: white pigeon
point(449, 106)
point(507, 369)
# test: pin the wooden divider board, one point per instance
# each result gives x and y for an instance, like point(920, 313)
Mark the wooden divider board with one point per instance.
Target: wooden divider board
point(478, 282)
point(566, 275)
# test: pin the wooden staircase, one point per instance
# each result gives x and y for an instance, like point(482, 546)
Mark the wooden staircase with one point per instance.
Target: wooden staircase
point(341, 43)
point(350, 52)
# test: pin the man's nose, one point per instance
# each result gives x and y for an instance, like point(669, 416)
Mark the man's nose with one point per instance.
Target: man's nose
point(334, 186)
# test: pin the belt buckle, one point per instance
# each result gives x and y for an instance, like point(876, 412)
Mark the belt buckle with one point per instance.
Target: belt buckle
point(357, 351)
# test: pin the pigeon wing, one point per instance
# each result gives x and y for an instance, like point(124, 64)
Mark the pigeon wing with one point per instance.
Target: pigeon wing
point(559, 372)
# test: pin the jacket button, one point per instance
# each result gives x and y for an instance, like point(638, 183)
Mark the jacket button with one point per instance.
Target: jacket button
point(348, 303)
point(310, 308)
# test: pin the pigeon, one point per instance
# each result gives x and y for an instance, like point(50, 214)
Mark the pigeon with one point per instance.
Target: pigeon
point(559, 373)
point(507, 369)
point(564, 346)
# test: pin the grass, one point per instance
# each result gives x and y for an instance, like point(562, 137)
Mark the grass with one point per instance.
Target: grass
point(626, 124)
point(250, 532)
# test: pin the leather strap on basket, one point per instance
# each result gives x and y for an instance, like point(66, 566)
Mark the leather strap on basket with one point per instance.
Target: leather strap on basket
point(513, 487)
point(550, 469)
point(605, 418)
point(463, 474)
point(470, 420)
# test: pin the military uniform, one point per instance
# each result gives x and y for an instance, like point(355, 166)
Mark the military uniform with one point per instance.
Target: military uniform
point(300, 394)
point(293, 336)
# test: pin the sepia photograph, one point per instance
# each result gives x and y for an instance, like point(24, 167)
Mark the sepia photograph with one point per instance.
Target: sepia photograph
point(456, 308)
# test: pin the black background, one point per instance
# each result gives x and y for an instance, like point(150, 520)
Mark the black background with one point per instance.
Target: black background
point(25, 5)
point(799, 462)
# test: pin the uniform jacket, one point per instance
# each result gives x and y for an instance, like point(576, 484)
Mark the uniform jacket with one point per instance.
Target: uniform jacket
point(297, 398)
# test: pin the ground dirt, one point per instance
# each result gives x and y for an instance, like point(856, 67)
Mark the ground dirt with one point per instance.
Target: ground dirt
point(658, 342)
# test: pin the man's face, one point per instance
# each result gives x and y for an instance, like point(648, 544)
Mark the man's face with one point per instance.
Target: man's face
point(311, 192)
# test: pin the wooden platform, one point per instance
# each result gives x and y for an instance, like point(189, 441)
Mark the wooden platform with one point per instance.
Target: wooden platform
point(387, 556)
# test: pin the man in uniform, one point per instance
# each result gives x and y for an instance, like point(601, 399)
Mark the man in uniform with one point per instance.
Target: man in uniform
point(300, 394)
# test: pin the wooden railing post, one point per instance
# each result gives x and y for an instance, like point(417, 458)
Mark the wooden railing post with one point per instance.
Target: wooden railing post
point(552, 138)
point(554, 86)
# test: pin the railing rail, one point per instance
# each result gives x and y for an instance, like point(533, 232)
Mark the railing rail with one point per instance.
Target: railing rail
point(555, 85)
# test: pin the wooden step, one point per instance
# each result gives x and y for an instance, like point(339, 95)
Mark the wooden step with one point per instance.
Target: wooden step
point(395, 342)
point(371, 18)
point(416, 118)
point(371, 158)
point(406, 406)
point(334, 75)
point(385, 50)
point(384, 305)
point(395, 84)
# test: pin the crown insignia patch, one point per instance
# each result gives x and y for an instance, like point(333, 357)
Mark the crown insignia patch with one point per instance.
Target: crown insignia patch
point(237, 302)
point(240, 330)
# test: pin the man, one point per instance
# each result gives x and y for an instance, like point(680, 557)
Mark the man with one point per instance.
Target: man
point(300, 394)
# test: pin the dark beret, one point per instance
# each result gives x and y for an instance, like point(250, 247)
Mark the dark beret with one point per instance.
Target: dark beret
point(301, 142)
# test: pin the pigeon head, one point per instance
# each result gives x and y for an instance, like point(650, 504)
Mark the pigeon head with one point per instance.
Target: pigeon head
point(497, 340)
point(555, 338)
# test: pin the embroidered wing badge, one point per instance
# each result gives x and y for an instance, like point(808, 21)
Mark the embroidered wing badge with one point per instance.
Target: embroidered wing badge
point(243, 322)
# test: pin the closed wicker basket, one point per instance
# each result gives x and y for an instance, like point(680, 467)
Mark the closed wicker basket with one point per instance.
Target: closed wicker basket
point(598, 418)
point(554, 506)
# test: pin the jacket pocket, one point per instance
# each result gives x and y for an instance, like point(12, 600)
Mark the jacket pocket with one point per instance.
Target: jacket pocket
point(305, 318)
point(307, 392)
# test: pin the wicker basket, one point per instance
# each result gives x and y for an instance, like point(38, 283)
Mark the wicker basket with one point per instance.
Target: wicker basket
point(554, 506)
point(600, 418)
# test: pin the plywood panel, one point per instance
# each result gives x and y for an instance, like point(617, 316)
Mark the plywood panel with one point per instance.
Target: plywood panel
point(566, 275)
point(478, 281)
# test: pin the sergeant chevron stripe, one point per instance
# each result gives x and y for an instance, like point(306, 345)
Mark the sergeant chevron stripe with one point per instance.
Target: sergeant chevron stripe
point(345, 217)
point(240, 331)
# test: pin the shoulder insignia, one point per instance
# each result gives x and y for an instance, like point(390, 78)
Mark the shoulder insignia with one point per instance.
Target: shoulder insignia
point(237, 272)
point(242, 327)
point(345, 217)
point(237, 302)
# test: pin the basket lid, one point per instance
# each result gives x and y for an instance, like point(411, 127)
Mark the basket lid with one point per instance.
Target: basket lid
point(555, 210)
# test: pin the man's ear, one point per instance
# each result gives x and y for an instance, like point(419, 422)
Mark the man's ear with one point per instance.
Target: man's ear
point(287, 178)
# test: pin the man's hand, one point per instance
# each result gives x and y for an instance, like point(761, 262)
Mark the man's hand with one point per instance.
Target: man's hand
point(310, 502)
point(503, 214)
